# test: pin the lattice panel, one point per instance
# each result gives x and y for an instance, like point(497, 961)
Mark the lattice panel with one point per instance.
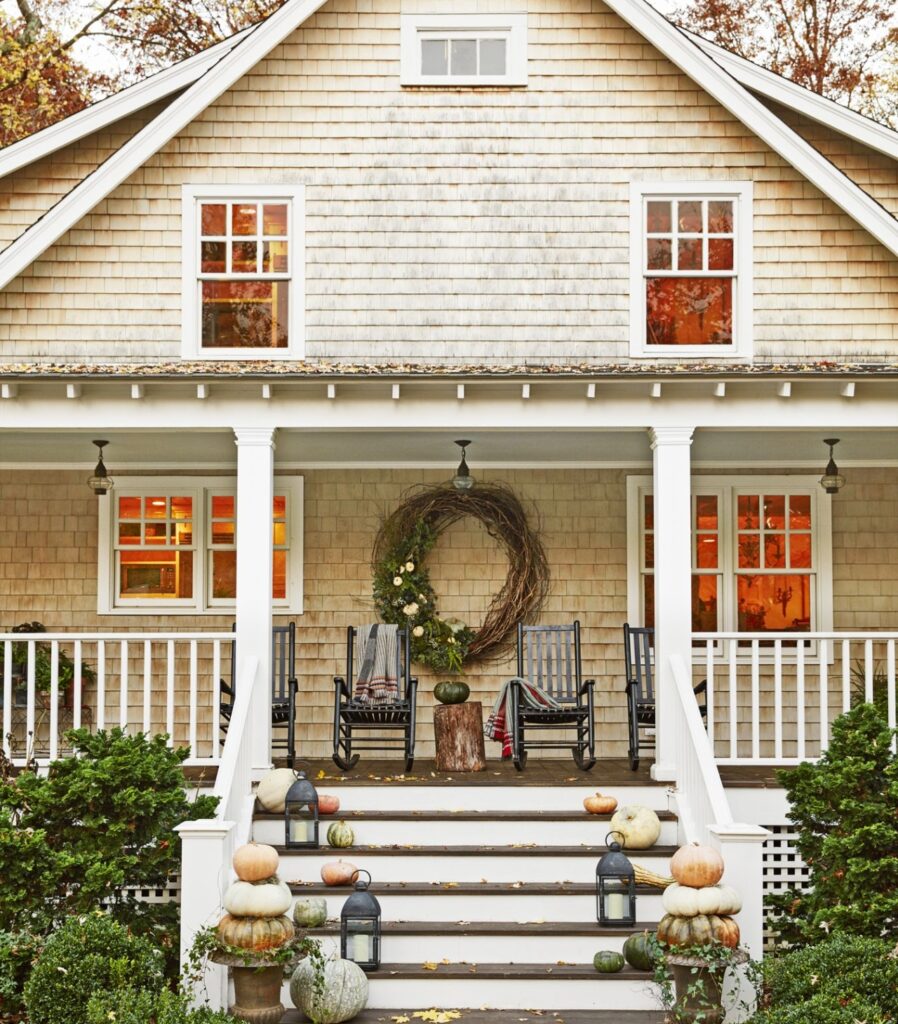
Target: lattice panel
point(783, 868)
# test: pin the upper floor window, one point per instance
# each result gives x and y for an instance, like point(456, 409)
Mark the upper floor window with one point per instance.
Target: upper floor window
point(691, 273)
point(464, 49)
point(242, 273)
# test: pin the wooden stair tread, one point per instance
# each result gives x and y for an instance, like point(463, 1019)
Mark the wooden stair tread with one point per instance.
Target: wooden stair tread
point(516, 928)
point(458, 816)
point(461, 889)
point(470, 851)
point(482, 1016)
point(511, 972)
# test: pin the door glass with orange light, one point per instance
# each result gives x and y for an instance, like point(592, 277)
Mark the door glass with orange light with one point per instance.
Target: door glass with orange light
point(222, 548)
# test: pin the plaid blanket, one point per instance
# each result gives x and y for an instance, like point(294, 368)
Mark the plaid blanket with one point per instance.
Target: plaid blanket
point(496, 727)
point(377, 648)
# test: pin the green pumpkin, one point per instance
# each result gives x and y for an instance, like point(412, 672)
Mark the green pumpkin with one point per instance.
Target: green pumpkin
point(310, 911)
point(452, 692)
point(340, 835)
point(608, 962)
point(638, 952)
point(344, 996)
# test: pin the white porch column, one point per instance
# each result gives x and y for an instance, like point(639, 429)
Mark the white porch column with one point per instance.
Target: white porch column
point(673, 580)
point(255, 498)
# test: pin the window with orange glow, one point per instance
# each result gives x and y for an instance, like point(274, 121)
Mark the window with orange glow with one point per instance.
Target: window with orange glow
point(222, 537)
point(154, 547)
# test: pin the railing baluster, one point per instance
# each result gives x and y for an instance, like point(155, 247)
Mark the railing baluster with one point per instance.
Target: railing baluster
point(846, 676)
point(7, 697)
point(823, 651)
point(890, 683)
point(734, 736)
point(147, 685)
point(755, 701)
point(101, 684)
point(216, 699)
point(123, 685)
point(778, 699)
point(709, 690)
point(77, 696)
point(30, 738)
point(801, 710)
point(170, 691)
point(54, 699)
point(193, 687)
point(868, 671)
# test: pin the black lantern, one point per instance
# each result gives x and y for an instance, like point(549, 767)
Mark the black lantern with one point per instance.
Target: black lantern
point(360, 926)
point(615, 887)
point(101, 482)
point(832, 480)
point(463, 481)
point(301, 814)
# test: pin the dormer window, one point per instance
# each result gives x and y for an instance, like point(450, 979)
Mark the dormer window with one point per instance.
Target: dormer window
point(464, 49)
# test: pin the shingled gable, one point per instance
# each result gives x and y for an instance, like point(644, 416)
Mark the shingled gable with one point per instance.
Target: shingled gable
point(680, 48)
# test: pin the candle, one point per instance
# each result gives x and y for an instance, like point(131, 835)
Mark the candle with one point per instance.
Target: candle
point(299, 831)
point(614, 905)
point(361, 948)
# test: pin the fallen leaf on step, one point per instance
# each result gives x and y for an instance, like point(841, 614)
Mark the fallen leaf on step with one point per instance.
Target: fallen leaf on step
point(450, 885)
point(400, 1019)
point(428, 965)
point(564, 963)
point(445, 961)
point(516, 885)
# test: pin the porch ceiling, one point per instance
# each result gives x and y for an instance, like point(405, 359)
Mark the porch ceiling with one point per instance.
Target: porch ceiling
point(772, 449)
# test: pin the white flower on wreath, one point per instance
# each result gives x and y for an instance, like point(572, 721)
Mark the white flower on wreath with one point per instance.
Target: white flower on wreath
point(397, 581)
point(411, 609)
point(409, 567)
point(418, 631)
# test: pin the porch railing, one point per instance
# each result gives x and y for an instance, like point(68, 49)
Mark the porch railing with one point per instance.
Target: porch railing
point(142, 682)
point(772, 697)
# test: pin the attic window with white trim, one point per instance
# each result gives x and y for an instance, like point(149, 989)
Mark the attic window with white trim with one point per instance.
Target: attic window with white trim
point(464, 49)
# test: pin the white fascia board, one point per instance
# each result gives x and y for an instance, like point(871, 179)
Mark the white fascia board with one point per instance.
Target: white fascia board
point(723, 87)
point(812, 105)
point(257, 43)
point(122, 104)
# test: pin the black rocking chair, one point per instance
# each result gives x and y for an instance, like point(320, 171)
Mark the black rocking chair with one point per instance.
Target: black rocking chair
point(351, 715)
point(549, 657)
point(639, 657)
point(284, 687)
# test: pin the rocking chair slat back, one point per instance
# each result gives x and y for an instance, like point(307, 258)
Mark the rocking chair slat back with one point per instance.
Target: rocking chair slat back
point(283, 647)
point(549, 656)
point(403, 660)
point(638, 651)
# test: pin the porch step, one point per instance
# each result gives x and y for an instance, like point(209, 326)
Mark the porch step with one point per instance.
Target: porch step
point(481, 1016)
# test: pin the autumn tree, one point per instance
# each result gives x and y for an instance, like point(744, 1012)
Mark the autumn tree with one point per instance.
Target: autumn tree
point(50, 50)
point(834, 47)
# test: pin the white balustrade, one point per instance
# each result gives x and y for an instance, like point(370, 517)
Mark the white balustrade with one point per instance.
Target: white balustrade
point(772, 697)
point(142, 682)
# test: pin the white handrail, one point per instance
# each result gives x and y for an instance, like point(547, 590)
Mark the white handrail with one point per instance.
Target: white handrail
point(233, 783)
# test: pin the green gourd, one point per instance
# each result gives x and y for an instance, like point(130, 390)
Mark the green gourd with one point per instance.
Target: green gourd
point(638, 952)
point(340, 835)
point(344, 994)
point(452, 692)
point(310, 911)
point(608, 962)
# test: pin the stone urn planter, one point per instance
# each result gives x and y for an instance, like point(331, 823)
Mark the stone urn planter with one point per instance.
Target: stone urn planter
point(699, 992)
point(257, 987)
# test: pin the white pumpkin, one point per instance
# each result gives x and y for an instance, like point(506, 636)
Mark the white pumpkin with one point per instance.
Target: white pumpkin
point(681, 900)
point(685, 901)
point(272, 789)
point(266, 899)
point(639, 826)
point(344, 996)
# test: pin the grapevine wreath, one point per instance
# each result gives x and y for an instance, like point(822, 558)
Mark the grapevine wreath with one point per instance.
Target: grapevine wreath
point(403, 593)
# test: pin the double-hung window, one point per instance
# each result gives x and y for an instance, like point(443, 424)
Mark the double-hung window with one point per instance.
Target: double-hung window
point(761, 555)
point(691, 273)
point(463, 49)
point(171, 545)
point(242, 272)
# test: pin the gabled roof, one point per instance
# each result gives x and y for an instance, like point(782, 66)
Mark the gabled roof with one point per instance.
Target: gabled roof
point(259, 40)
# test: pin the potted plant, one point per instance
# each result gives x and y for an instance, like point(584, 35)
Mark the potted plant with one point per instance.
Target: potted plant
point(43, 668)
point(691, 981)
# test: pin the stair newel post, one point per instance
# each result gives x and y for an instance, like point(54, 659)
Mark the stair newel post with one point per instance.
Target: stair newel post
point(742, 849)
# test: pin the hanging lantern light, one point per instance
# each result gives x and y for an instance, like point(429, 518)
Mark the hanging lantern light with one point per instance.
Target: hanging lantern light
point(301, 814)
point(832, 480)
point(101, 482)
point(360, 926)
point(615, 887)
point(463, 481)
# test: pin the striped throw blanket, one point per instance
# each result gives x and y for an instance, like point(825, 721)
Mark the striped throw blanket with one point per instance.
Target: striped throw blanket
point(377, 648)
point(497, 725)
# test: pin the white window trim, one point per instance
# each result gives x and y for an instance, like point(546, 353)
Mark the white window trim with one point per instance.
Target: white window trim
point(191, 196)
point(198, 488)
point(727, 486)
point(743, 313)
point(512, 26)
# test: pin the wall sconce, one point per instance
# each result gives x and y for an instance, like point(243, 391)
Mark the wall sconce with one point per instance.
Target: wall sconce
point(463, 481)
point(101, 482)
point(832, 480)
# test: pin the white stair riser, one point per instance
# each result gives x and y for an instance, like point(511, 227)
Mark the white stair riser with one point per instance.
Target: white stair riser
point(446, 832)
point(442, 867)
point(490, 798)
point(443, 906)
point(513, 994)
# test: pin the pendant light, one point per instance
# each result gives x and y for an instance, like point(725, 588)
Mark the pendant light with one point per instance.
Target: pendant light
point(832, 480)
point(101, 482)
point(463, 481)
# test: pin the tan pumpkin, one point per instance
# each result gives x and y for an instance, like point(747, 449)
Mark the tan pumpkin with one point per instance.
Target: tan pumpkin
point(685, 901)
point(272, 789)
point(256, 933)
point(328, 804)
point(599, 804)
point(697, 866)
point(638, 827)
point(338, 872)
point(700, 930)
point(255, 862)
point(260, 899)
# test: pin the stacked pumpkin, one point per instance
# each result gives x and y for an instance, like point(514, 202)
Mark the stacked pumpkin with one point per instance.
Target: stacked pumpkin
point(257, 902)
point(699, 910)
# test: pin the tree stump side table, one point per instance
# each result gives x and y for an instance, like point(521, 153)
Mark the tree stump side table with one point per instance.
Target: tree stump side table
point(458, 737)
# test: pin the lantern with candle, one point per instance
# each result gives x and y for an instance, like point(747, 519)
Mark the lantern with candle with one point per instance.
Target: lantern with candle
point(360, 926)
point(615, 886)
point(301, 814)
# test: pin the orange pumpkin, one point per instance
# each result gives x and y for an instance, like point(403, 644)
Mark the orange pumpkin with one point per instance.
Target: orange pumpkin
point(697, 866)
point(338, 872)
point(698, 931)
point(599, 804)
point(255, 862)
point(256, 933)
point(328, 804)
